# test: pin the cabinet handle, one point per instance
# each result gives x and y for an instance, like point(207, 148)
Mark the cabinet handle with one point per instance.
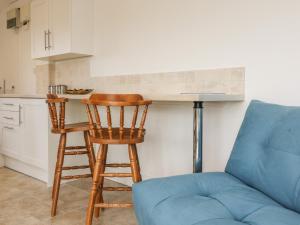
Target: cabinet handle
point(8, 118)
point(9, 128)
point(45, 40)
point(49, 46)
point(8, 104)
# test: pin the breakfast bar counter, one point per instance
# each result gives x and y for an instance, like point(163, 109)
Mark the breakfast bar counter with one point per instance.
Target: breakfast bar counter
point(180, 97)
point(197, 98)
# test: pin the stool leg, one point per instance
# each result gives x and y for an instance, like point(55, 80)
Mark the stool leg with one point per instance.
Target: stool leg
point(58, 172)
point(90, 149)
point(99, 198)
point(134, 163)
point(101, 155)
point(138, 163)
point(54, 177)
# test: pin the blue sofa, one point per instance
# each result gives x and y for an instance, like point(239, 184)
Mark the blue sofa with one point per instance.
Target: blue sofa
point(260, 185)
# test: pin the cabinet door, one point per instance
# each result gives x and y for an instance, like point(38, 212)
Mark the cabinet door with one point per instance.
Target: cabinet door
point(60, 27)
point(39, 26)
point(10, 140)
point(35, 133)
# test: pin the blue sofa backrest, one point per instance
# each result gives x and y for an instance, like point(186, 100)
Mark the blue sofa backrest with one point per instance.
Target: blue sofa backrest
point(266, 154)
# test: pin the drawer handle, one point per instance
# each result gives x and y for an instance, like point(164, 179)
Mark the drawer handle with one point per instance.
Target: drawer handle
point(8, 118)
point(10, 128)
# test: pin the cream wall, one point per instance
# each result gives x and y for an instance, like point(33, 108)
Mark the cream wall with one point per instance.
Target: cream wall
point(134, 37)
point(4, 4)
point(15, 55)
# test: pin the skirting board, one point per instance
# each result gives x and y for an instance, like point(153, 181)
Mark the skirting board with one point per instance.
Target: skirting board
point(26, 169)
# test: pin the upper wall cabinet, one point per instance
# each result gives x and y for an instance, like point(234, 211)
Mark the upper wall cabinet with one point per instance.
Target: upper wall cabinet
point(61, 29)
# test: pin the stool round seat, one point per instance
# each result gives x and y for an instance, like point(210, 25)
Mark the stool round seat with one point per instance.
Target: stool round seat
point(73, 127)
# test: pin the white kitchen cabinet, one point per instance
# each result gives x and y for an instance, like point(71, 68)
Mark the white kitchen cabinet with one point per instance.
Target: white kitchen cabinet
point(24, 133)
point(27, 144)
point(10, 127)
point(39, 28)
point(35, 133)
point(10, 140)
point(61, 29)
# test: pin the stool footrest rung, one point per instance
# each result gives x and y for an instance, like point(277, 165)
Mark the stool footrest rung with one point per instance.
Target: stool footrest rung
point(116, 165)
point(114, 205)
point(76, 176)
point(115, 175)
point(76, 153)
point(75, 147)
point(117, 189)
point(75, 167)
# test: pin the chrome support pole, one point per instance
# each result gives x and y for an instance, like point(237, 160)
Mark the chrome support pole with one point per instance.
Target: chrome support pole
point(197, 140)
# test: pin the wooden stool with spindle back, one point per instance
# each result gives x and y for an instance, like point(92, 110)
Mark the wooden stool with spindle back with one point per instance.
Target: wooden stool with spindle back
point(117, 136)
point(57, 114)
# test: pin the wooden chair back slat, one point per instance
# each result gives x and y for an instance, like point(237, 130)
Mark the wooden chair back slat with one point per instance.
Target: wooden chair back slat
point(121, 121)
point(109, 123)
point(122, 101)
point(143, 120)
point(98, 120)
point(57, 114)
point(54, 113)
point(91, 121)
point(62, 115)
point(134, 119)
point(52, 116)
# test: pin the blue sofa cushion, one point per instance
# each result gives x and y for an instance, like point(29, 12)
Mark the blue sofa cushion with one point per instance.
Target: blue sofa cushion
point(266, 154)
point(208, 198)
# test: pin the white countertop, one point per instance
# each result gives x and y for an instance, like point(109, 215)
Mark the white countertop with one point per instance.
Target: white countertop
point(181, 97)
point(29, 96)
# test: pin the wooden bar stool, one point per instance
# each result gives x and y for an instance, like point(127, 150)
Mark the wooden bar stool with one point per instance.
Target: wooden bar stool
point(57, 114)
point(114, 135)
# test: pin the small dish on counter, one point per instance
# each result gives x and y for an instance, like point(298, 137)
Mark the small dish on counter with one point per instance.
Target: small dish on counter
point(78, 91)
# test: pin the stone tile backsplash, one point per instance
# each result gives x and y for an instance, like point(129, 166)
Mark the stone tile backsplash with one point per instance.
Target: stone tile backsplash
point(76, 74)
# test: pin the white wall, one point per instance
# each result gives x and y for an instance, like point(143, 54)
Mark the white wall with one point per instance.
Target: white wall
point(134, 36)
point(15, 55)
point(4, 4)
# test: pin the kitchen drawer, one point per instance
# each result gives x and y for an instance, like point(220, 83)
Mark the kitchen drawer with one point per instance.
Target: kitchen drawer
point(10, 118)
point(8, 106)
